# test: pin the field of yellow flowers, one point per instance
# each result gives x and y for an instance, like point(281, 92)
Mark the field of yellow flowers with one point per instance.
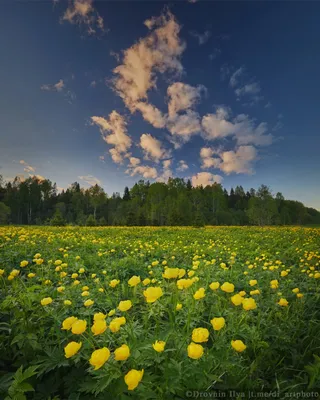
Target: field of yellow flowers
point(152, 313)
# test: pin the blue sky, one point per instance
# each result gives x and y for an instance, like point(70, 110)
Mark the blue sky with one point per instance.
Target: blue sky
point(229, 92)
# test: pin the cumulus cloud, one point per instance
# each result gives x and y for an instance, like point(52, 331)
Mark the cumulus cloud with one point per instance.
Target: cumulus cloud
point(159, 52)
point(238, 161)
point(182, 166)
point(81, 12)
point(205, 179)
point(185, 125)
point(152, 148)
point(144, 170)
point(114, 132)
point(56, 87)
point(241, 128)
point(166, 172)
point(201, 37)
point(90, 179)
point(133, 162)
point(151, 114)
point(207, 159)
point(250, 88)
point(183, 97)
point(26, 167)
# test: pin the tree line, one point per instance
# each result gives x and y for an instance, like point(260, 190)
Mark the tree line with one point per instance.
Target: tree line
point(175, 203)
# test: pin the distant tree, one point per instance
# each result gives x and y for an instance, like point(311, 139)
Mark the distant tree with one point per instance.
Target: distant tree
point(57, 219)
point(198, 220)
point(262, 208)
point(126, 195)
point(4, 213)
point(91, 221)
point(97, 197)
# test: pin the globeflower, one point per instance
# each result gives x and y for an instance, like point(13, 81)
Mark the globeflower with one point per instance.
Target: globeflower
point(218, 323)
point(67, 302)
point(283, 302)
point(184, 283)
point(159, 346)
point(178, 306)
point(111, 313)
point(199, 294)
point(152, 294)
point(99, 327)
point(134, 281)
point(284, 273)
point(31, 275)
point(68, 322)
point(122, 353)
point(116, 323)
point(72, 348)
point(214, 285)
point(133, 378)
point(238, 345)
point(227, 287)
point(125, 305)
point(253, 282)
point(24, 263)
point(146, 282)
point(200, 335)
point(249, 304)
point(195, 351)
point(46, 301)
point(99, 357)
point(88, 303)
point(237, 299)
point(274, 284)
point(171, 273)
point(79, 327)
point(15, 272)
point(99, 316)
point(1, 272)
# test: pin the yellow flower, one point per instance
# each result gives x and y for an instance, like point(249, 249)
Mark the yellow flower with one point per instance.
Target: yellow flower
point(122, 353)
point(253, 292)
point(237, 299)
point(78, 258)
point(253, 282)
point(238, 345)
point(283, 302)
point(284, 273)
point(200, 335)
point(171, 273)
point(88, 303)
point(60, 289)
point(242, 293)
point(99, 357)
point(218, 323)
point(74, 276)
point(79, 327)
point(76, 282)
point(125, 305)
point(152, 294)
point(159, 346)
point(72, 348)
point(1, 272)
point(67, 302)
point(133, 378)
point(101, 290)
point(184, 283)
point(99, 316)
point(195, 351)
point(296, 290)
point(81, 270)
point(68, 322)
point(146, 282)
point(24, 263)
point(111, 313)
point(116, 323)
point(63, 274)
point(57, 262)
point(178, 306)
point(15, 272)
point(249, 304)
point(199, 294)
point(299, 295)
point(99, 327)
point(93, 275)
point(214, 285)
point(228, 287)
point(134, 281)
point(46, 301)
point(85, 288)
point(317, 275)
point(31, 275)
point(85, 293)
point(190, 274)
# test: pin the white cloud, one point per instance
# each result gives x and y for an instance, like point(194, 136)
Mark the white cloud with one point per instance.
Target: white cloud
point(234, 79)
point(27, 168)
point(57, 87)
point(250, 88)
point(242, 128)
point(82, 12)
point(182, 97)
point(159, 51)
point(144, 170)
point(205, 179)
point(202, 38)
point(90, 179)
point(134, 161)
point(185, 125)
point(167, 173)
point(238, 161)
point(182, 166)
point(207, 161)
point(151, 114)
point(118, 136)
point(152, 147)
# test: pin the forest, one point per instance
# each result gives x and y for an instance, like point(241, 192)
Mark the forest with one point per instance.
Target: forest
point(176, 203)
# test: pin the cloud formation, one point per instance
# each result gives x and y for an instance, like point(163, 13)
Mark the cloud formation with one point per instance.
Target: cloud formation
point(26, 167)
point(144, 170)
point(183, 97)
point(201, 37)
point(205, 179)
point(114, 132)
point(56, 87)
point(182, 166)
point(81, 12)
point(90, 180)
point(152, 148)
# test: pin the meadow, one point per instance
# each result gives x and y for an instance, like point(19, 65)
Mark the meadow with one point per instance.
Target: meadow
point(152, 313)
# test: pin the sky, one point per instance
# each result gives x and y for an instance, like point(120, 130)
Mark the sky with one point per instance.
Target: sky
point(111, 92)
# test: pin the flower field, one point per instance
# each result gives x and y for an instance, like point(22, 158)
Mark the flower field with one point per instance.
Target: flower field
point(151, 313)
